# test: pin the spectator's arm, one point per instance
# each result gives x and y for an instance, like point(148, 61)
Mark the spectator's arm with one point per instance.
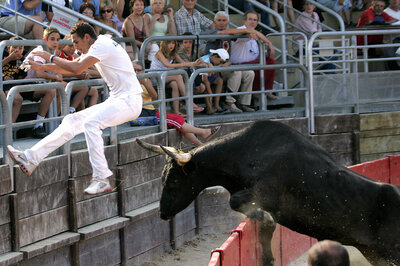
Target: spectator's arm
point(120, 9)
point(149, 24)
point(166, 63)
point(11, 57)
point(150, 89)
point(31, 4)
point(171, 23)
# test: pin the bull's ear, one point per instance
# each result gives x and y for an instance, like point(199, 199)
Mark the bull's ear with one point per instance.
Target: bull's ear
point(180, 158)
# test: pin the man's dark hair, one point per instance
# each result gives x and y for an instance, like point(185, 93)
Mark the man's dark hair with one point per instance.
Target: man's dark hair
point(249, 12)
point(328, 253)
point(83, 28)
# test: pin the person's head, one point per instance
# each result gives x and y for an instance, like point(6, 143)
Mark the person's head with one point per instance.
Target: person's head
point(189, 4)
point(221, 20)
point(169, 48)
point(138, 66)
point(394, 4)
point(83, 36)
point(250, 19)
point(218, 56)
point(106, 10)
point(68, 49)
point(19, 49)
point(378, 6)
point(137, 6)
point(51, 36)
point(328, 253)
point(157, 6)
point(308, 7)
point(87, 9)
point(187, 45)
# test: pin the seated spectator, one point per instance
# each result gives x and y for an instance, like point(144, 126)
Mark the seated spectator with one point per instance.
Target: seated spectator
point(246, 50)
point(26, 28)
point(186, 52)
point(173, 120)
point(11, 71)
point(76, 5)
point(214, 58)
point(292, 18)
point(87, 9)
point(329, 253)
point(342, 7)
point(52, 37)
point(188, 19)
point(159, 23)
point(374, 16)
point(106, 15)
point(134, 25)
point(393, 11)
point(124, 8)
point(164, 59)
point(236, 80)
point(48, 9)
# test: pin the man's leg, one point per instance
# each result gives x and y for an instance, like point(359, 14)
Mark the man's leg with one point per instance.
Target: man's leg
point(36, 29)
point(246, 85)
point(233, 79)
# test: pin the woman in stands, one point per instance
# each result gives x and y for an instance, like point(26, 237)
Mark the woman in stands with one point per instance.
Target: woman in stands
point(106, 14)
point(159, 23)
point(134, 25)
point(164, 59)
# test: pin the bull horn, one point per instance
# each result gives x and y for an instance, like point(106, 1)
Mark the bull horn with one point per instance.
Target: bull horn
point(180, 158)
point(150, 147)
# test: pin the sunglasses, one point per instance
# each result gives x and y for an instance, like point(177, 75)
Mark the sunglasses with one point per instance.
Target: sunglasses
point(106, 11)
point(87, 12)
point(138, 69)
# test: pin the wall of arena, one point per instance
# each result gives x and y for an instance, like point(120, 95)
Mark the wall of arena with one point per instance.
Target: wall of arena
point(47, 220)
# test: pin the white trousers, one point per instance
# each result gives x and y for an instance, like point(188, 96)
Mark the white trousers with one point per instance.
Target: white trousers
point(112, 112)
point(239, 81)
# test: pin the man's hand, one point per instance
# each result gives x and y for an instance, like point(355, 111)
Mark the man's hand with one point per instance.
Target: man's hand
point(35, 66)
point(43, 54)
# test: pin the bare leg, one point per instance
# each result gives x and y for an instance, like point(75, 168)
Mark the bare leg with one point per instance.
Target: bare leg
point(175, 93)
point(79, 95)
point(94, 96)
point(219, 82)
point(36, 29)
point(47, 97)
point(17, 104)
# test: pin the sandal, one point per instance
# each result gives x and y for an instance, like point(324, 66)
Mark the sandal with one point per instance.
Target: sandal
point(214, 131)
point(198, 109)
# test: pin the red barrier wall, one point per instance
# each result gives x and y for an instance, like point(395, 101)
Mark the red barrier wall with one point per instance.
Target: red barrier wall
point(288, 245)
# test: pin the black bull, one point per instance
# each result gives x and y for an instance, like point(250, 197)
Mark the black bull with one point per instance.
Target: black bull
point(272, 167)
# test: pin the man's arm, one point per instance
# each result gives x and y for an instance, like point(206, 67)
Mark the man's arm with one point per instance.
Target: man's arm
point(31, 4)
point(76, 67)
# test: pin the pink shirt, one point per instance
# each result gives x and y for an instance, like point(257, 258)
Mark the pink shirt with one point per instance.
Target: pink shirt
point(307, 26)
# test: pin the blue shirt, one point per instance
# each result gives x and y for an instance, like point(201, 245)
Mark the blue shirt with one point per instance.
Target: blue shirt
point(20, 8)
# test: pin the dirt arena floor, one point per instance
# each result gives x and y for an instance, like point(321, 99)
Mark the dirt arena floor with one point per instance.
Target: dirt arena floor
point(196, 252)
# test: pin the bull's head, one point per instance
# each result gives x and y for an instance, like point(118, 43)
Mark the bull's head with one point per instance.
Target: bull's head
point(180, 185)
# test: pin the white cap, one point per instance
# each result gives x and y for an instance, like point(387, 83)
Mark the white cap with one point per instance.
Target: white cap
point(222, 53)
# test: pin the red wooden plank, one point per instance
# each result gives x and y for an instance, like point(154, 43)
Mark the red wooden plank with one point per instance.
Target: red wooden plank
point(293, 245)
point(394, 169)
point(230, 251)
point(248, 245)
point(377, 170)
point(276, 245)
point(215, 259)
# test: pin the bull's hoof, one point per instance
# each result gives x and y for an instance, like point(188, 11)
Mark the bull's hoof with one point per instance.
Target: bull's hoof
point(263, 217)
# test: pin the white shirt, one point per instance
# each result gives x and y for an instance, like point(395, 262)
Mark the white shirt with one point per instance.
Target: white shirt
point(392, 13)
point(244, 50)
point(115, 66)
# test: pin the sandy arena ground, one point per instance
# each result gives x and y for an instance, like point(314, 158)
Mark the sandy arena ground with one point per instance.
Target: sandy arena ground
point(196, 252)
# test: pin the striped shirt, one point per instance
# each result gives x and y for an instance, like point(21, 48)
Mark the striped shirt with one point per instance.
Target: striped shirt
point(193, 24)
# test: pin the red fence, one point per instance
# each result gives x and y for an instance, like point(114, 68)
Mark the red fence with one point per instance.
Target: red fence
point(242, 247)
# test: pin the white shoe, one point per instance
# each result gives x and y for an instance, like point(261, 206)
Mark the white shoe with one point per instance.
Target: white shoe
point(98, 186)
point(20, 159)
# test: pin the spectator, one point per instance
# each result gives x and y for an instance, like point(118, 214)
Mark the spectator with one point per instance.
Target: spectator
point(173, 121)
point(214, 58)
point(52, 38)
point(236, 80)
point(134, 24)
point(292, 18)
point(124, 8)
point(159, 23)
point(88, 10)
point(76, 4)
point(393, 9)
point(106, 15)
point(188, 19)
point(26, 28)
point(186, 52)
point(246, 6)
point(328, 253)
point(164, 59)
point(11, 71)
point(342, 7)
point(374, 16)
point(246, 50)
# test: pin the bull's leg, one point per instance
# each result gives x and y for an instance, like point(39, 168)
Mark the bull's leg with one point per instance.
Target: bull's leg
point(243, 202)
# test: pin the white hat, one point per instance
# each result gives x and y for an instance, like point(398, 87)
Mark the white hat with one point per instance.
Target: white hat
point(222, 53)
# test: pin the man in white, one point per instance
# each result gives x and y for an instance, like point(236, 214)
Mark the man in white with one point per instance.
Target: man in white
point(393, 9)
point(124, 103)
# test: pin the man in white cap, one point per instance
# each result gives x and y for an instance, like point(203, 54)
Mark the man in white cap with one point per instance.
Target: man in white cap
point(235, 80)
